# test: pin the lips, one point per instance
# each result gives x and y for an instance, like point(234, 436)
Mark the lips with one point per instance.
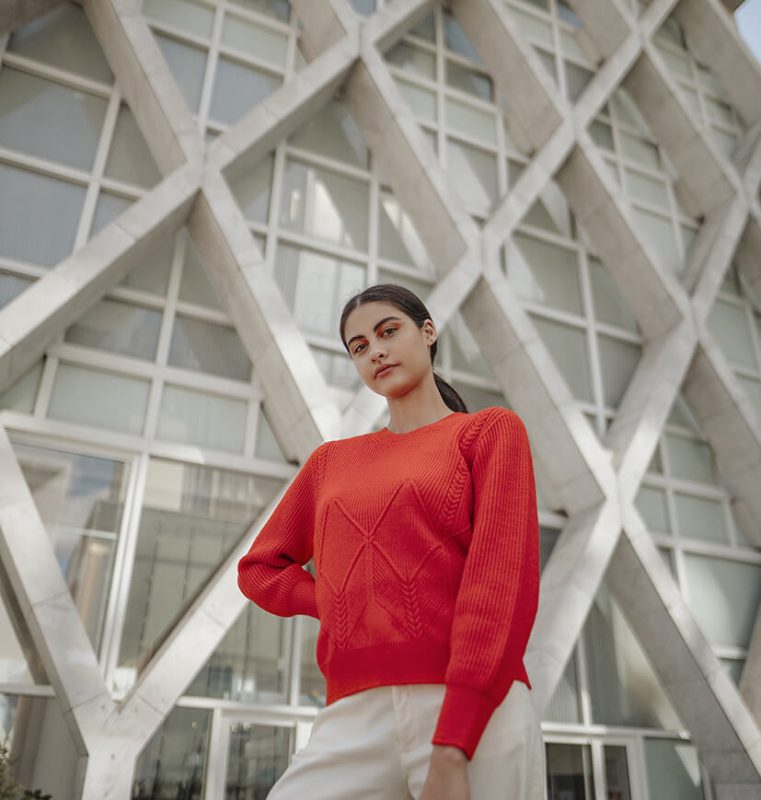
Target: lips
point(384, 369)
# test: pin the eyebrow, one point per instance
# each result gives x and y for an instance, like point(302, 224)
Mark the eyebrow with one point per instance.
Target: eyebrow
point(375, 328)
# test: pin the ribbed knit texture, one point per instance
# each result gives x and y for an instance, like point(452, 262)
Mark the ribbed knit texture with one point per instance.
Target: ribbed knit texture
point(426, 549)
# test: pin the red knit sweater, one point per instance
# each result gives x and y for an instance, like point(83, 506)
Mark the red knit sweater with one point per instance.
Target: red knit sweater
point(426, 551)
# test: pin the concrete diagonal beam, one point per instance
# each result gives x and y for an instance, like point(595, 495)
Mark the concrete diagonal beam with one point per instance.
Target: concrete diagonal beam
point(728, 421)
point(297, 400)
point(531, 107)
point(146, 82)
point(30, 322)
point(607, 24)
point(654, 295)
point(714, 34)
point(703, 695)
point(14, 13)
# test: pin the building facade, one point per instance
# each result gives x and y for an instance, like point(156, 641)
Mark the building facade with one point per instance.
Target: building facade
point(189, 191)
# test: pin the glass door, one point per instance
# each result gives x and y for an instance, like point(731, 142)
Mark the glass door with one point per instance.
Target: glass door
point(248, 753)
point(590, 768)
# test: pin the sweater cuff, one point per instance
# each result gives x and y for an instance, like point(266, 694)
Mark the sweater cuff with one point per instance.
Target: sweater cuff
point(303, 597)
point(464, 714)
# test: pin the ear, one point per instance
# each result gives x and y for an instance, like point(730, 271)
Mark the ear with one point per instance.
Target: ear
point(429, 332)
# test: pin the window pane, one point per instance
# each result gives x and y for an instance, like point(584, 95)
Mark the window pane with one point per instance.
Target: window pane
point(192, 517)
point(20, 396)
point(237, 89)
point(471, 121)
point(569, 772)
point(49, 120)
point(200, 418)
point(673, 770)
point(255, 40)
point(11, 286)
point(640, 150)
point(476, 398)
point(535, 28)
point(186, 14)
point(456, 40)
point(130, 160)
point(267, 445)
point(691, 459)
point(700, 517)
point(474, 174)
point(659, 234)
point(173, 763)
point(187, 64)
point(610, 305)
point(107, 209)
point(333, 133)
point(80, 500)
point(602, 135)
point(64, 39)
point(19, 662)
point(398, 239)
point(576, 79)
point(618, 362)
point(257, 756)
point(623, 687)
point(564, 703)
point(325, 205)
point(316, 286)
point(196, 286)
point(465, 354)
point(468, 80)
point(568, 347)
point(729, 324)
point(206, 347)
point(38, 216)
point(279, 9)
point(99, 399)
point(251, 663)
point(412, 59)
point(617, 772)
point(337, 369)
point(649, 190)
point(724, 597)
point(544, 272)
point(152, 273)
point(651, 503)
point(119, 328)
point(41, 745)
point(421, 101)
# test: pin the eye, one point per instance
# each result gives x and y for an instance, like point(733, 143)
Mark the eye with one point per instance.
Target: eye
point(358, 349)
point(388, 330)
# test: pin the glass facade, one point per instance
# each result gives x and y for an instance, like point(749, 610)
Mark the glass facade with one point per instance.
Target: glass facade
point(144, 428)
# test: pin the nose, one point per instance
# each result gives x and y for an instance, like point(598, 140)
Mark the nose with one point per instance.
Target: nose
point(378, 353)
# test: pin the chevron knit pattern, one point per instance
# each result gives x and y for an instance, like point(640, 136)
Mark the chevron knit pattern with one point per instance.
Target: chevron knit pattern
point(426, 548)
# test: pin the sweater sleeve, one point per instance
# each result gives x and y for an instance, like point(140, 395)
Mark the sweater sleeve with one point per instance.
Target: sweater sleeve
point(498, 594)
point(271, 573)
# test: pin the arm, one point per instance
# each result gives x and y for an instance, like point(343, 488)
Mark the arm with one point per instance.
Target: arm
point(498, 595)
point(271, 573)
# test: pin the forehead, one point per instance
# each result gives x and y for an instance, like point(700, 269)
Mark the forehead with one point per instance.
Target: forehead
point(362, 319)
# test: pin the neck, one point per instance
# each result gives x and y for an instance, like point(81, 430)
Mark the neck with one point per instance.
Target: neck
point(420, 406)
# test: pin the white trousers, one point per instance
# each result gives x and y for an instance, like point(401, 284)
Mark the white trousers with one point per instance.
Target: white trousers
point(376, 745)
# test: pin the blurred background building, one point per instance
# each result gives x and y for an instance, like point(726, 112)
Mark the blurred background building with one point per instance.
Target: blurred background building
point(190, 189)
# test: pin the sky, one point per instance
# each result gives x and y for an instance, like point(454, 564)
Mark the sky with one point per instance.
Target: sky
point(748, 18)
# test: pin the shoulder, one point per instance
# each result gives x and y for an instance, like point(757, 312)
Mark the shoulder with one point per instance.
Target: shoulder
point(491, 427)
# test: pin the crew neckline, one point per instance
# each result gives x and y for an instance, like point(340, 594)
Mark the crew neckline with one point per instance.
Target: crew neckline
point(422, 427)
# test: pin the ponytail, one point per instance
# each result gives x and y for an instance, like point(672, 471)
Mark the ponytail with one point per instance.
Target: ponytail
point(449, 394)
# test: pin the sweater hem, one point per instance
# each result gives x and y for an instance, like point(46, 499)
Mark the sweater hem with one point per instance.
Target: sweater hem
point(387, 664)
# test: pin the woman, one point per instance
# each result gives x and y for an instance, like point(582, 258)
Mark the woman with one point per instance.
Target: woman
point(426, 549)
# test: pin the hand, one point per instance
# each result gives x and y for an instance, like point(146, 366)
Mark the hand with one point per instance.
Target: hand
point(447, 777)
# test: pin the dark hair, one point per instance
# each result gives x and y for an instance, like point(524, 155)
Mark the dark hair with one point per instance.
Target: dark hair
point(413, 307)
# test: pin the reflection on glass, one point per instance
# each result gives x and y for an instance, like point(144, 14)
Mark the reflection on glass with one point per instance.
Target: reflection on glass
point(673, 770)
point(81, 501)
point(19, 662)
point(616, 773)
point(569, 772)
point(174, 762)
point(257, 757)
point(251, 663)
point(42, 755)
point(191, 518)
point(623, 687)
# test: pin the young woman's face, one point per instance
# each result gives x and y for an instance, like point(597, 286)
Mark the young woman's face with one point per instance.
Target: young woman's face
point(388, 349)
